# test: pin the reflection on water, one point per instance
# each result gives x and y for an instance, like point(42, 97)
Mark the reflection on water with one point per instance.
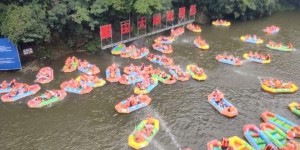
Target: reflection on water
point(187, 119)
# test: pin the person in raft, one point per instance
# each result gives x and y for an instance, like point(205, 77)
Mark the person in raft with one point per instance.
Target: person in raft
point(275, 83)
point(131, 101)
point(146, 132)
point(269, 147)
point(164, 58)
point(179, 71)
point(218, 96)
point(3, 85)
point(13, 83)
point(290, 45)
point(225, 144)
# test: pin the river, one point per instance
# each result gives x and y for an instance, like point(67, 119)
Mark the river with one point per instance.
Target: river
point(186, 118)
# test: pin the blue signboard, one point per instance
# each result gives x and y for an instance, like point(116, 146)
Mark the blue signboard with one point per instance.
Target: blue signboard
point(9, 55)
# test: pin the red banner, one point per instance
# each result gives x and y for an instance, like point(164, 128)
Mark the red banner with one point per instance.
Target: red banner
point(157, 19)
point(170, 15)
point(105, 31)
point(142, 23)
point(193, 10)
point(125, 27)
point(181, 13)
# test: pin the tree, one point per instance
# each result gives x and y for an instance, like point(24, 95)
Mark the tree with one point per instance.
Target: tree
point(23, 24)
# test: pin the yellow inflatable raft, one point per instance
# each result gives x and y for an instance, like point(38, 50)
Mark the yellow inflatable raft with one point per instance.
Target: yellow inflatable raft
point(282, 90)
point(138, 145)
point(238, 144)
point(195, 76)
point(224, 24)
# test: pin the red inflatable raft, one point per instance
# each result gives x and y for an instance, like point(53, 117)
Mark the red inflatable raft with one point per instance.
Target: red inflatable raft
point(45, 75)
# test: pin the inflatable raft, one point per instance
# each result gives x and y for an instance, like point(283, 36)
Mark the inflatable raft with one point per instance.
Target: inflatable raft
point(221, 59)
point(130, 79)
point(166, 49)
point(165, 40)
point(194, 74)
point(246, 56)
point(225, 108)
point(71, 65)
point(45, 75)
point(281, 48)
point(140, 53)
point(160, 60)
point(32, 90)
point(295, 108)
point(281, 122)
point(113, 77)
point(148, 89)
point(256, 137)
point(278, 137)
point(281, 90)
point(194, 28)
point(138, 145)
point(6, 89)
point(214, 145)
point(251, 40)
point(178, 31)
point(91, 81)
point(238, 144)
point(167, 80)
point(183, 77)
point(271, 29)
point(87, 68)
point(143, 101)
point(132, 68)
point(226, 24)
point(42, 101)
point(82, 89)
point(118, 49)
point(204, 47)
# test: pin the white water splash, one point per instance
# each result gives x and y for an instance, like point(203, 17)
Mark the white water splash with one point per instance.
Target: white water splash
point(164, 126)
point(246, 74)
point(157, 145)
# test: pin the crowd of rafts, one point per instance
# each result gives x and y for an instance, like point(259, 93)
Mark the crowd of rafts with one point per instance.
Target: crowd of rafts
point(146, 78)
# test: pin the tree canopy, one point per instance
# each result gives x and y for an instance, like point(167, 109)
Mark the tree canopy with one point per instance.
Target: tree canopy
point(38, 20)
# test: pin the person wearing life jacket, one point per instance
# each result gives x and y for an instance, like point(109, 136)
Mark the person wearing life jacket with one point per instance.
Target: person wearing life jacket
point(13, 83)
point(142, 66)
point(256, 55)
point(12, 93)
point(150, 119)
point(290, 45)
point(236, 60)
point(224, 144)
point(288, 85)
point(250, 54)
point(3, 85)
point(149, 129)
point(139, 137)
point(277, 84)
point(254, 37)
point(268, 57)
point(290, 135)
point(269, 147)
point(26, 88)
point(38, 99)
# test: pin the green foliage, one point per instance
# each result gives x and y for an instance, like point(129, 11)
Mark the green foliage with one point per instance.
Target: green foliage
point(23, 24)
point(240, 9)
point(92, 45)
point(148, 7)
point(76, 21)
